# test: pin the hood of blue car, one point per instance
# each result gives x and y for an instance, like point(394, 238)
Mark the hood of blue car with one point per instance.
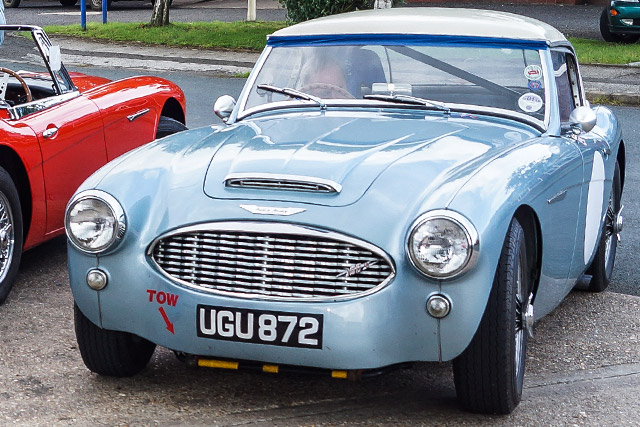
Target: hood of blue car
point(334, 159)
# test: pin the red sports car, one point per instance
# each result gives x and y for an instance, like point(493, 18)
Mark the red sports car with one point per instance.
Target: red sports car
point(56, 128)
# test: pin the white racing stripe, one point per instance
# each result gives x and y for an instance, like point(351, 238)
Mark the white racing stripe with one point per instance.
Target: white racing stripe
point(594, 206)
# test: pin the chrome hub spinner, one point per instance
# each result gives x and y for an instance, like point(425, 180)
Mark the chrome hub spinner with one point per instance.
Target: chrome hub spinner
point(527, 315)
point(618, 223)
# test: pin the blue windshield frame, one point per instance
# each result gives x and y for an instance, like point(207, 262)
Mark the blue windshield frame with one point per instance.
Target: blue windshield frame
point(404, 40)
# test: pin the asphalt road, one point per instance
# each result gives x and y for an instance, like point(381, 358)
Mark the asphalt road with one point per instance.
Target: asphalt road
point(576, 21)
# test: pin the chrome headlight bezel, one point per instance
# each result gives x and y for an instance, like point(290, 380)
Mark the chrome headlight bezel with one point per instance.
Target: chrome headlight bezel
point(459, 221)
point(118, 227)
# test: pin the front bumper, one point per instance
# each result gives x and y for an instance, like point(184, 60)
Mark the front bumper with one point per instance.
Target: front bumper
point(620, 24)
point(387, 327)
point(384, 328)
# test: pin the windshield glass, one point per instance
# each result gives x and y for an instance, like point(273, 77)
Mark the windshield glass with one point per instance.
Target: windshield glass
point(498, 77)
point(19, 53)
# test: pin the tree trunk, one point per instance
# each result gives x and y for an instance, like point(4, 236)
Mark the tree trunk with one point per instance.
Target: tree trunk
point(383, 4)
point(160, 15)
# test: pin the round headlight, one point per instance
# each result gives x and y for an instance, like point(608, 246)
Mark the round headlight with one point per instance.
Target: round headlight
point(94, 221)
point(443, 244)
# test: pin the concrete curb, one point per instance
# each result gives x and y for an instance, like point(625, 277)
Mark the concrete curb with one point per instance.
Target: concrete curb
point(599, 97)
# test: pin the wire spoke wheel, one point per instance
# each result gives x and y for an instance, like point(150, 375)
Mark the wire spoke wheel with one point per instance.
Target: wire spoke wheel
point(10, 233)
point(609, 234)
point(7, 239)
point(520, 339)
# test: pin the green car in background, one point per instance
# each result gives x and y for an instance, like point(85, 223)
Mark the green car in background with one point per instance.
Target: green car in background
point(620, 22)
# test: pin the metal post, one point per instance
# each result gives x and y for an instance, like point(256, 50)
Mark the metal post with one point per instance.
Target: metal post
point(104, 11)
point(383, 4)
point(83, 15)
point(251, 10)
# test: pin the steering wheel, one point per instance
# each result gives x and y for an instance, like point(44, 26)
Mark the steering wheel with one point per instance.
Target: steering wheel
point(3, 84)
point(326, 90)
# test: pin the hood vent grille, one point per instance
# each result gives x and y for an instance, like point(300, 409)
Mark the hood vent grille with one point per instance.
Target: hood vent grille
point(282, 183)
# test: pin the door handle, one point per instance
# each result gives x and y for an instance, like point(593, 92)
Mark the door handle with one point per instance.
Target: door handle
point(140, 113)
point(50, 132)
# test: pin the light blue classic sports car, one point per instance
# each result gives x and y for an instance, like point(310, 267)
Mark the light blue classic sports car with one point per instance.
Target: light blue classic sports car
point(391, 186)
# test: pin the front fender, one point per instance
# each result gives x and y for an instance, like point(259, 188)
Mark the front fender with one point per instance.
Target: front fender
point(130, 110)
point(529, 175)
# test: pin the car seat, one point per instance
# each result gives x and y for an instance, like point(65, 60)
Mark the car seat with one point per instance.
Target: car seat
point(365, 68)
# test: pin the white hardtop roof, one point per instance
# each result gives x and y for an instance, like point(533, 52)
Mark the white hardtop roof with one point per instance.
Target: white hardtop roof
point(430, 21)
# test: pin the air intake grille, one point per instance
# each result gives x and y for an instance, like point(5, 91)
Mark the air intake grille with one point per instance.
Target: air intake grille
point(268, 181)
point(272, 265)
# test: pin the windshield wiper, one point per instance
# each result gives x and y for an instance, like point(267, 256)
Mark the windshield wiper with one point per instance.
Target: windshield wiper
point(292, 93)
point(411, 100)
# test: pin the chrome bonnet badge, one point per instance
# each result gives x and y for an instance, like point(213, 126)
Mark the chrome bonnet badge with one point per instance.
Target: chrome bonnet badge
point(271, 210)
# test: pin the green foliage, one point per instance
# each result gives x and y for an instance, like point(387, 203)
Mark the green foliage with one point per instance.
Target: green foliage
point(209, 35)
point(303, 10)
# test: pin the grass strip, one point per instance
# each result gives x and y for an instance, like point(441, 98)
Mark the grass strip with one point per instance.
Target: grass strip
point(208, 35)
point(600, 52)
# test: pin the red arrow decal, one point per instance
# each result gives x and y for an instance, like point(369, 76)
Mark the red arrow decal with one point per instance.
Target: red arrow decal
point(166, 320)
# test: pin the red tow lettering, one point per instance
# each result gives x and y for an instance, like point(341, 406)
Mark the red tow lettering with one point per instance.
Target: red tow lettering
point(163, 297)
point(172, 299)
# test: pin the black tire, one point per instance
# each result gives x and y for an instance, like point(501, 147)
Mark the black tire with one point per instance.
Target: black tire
point(601, 268)
point(11, 237)
point(489, 374)
point(97, 4)
point(608, 36)
point(68, 3)
point(11, 3)
point(111, 353)
point(168, 126)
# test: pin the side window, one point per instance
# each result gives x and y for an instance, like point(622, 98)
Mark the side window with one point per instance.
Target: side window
point(566, 75)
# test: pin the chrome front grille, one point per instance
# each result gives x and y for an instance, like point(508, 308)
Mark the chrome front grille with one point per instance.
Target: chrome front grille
point(282, 182)
point(286, 262)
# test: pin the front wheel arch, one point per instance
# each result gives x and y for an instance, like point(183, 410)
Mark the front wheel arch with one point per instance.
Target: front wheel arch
point(530, 223)
point(622, 163)
point(173, 110)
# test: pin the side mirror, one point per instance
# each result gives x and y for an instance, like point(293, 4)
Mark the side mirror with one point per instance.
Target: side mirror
point(584, 117)
point(55, 58)
point(224, 106)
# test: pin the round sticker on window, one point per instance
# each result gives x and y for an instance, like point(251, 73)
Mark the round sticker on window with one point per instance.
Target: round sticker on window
point(530, 102)
point(533, 72)
point(535, 84)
